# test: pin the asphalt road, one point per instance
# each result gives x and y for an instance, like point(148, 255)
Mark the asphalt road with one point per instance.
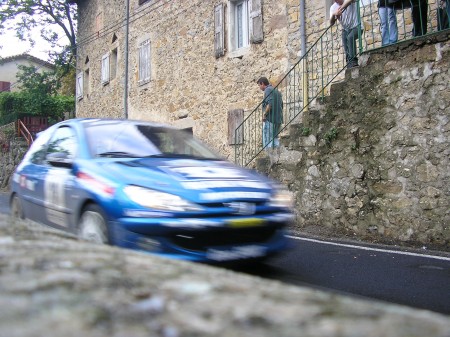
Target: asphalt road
point(414, 278)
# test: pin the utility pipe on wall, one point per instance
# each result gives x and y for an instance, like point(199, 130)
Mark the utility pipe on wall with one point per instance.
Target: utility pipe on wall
point(302, 27)
point(303, 52)
point(125, 84)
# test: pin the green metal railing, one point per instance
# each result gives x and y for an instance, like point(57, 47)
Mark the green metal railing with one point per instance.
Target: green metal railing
point(323, 63)
point(306, 81)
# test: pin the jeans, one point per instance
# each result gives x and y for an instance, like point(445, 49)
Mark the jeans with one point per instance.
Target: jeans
point(270, 134)
point(349, 38)
point(389, 32)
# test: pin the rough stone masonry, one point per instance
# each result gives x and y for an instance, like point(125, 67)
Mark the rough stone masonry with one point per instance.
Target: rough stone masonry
point(373, 159)
point(53, 285)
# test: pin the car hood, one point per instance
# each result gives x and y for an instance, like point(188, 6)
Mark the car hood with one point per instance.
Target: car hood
point(202, 181)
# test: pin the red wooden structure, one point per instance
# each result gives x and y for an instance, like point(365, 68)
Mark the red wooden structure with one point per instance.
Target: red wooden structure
point(29, 126)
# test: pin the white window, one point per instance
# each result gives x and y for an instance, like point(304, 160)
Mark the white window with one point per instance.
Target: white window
point(105, 69)
point(245, 25)
point(79, 87)
point(239, 24)
point(241, 21)
point(144, 62)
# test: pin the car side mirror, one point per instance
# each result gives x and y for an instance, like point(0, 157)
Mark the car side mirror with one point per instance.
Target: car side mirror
point(59, 159)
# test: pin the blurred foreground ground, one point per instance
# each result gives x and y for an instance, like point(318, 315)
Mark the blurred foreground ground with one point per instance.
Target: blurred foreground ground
point(51, 284)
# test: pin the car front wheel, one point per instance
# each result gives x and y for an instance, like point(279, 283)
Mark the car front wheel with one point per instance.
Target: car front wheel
point(92, 226)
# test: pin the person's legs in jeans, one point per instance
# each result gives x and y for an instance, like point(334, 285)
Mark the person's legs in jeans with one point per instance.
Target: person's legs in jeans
point(392, 20)
point(344, 43)
point(388, 21)
point(383, 13)
point(271, 142)
point(351, 37)
point(266, 134)
point(270, 134)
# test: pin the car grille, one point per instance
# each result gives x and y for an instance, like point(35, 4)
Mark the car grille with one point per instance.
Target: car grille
point(202, 240)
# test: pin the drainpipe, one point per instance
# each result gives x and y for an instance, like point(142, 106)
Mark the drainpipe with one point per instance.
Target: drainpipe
point(125, 89)
point(303, 52)
point(302, 27)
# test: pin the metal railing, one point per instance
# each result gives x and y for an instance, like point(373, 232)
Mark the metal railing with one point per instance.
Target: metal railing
point(23, 131)
point(324, 63)
point(306, 81)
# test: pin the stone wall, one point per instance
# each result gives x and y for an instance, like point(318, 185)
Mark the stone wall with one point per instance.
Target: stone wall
point(373, 160)
point(12, 152)
point(53, 285)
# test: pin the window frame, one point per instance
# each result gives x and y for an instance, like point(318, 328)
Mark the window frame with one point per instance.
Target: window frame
point(79, 85)
point(234, 24)
point(244, 23)
point(105, 69)
point(144, 65)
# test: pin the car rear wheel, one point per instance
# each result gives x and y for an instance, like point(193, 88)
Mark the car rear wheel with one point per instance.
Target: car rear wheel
point(16, 208)
point(92, 226)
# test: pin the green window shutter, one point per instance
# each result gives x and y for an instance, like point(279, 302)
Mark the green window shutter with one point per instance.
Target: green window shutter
point(235, 119)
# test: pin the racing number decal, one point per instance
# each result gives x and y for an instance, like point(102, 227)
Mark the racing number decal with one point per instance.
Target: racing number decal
point(55, 198)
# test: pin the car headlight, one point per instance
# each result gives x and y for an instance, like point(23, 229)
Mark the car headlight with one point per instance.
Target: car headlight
point(159, 200)
point(282, 198)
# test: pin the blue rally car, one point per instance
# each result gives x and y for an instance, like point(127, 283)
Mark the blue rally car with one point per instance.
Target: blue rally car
point(149, 187)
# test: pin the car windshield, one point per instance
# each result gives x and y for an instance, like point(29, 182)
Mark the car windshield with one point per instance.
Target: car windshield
point(123, 139)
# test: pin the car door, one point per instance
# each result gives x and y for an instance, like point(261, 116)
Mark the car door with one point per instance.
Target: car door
point(30, 172)
point(58, 182)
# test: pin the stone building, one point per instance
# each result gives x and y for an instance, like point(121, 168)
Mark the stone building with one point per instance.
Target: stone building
point(190, 64)
point(194, 65)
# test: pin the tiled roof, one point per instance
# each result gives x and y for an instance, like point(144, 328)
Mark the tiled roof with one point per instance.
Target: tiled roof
point(27, 57)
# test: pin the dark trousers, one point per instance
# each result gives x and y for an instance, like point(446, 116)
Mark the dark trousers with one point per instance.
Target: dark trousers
point(443, 16)
point(419, 12)
point(349, 38)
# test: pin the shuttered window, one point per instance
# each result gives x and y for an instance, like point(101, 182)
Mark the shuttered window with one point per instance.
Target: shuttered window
point(105, 69)
point(235, 129)
point(79, 85)
point(256, 22)
point(5, 86)
point(219, 31)
point(144, 62)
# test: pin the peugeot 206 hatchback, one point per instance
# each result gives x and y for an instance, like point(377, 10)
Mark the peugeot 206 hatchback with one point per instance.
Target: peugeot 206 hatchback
point(149, 187)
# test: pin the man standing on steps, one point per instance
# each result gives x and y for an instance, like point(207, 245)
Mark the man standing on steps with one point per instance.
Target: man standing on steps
point(346, 11)
point(272, 112)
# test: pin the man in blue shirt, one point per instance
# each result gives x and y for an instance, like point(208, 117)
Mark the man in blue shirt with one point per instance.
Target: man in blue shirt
point(272, 111)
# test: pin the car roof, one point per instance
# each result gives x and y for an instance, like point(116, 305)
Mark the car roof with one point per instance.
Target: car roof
point(100, 121)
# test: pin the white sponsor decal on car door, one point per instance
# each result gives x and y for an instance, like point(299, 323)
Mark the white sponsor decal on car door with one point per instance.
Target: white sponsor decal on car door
point(55, 196)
